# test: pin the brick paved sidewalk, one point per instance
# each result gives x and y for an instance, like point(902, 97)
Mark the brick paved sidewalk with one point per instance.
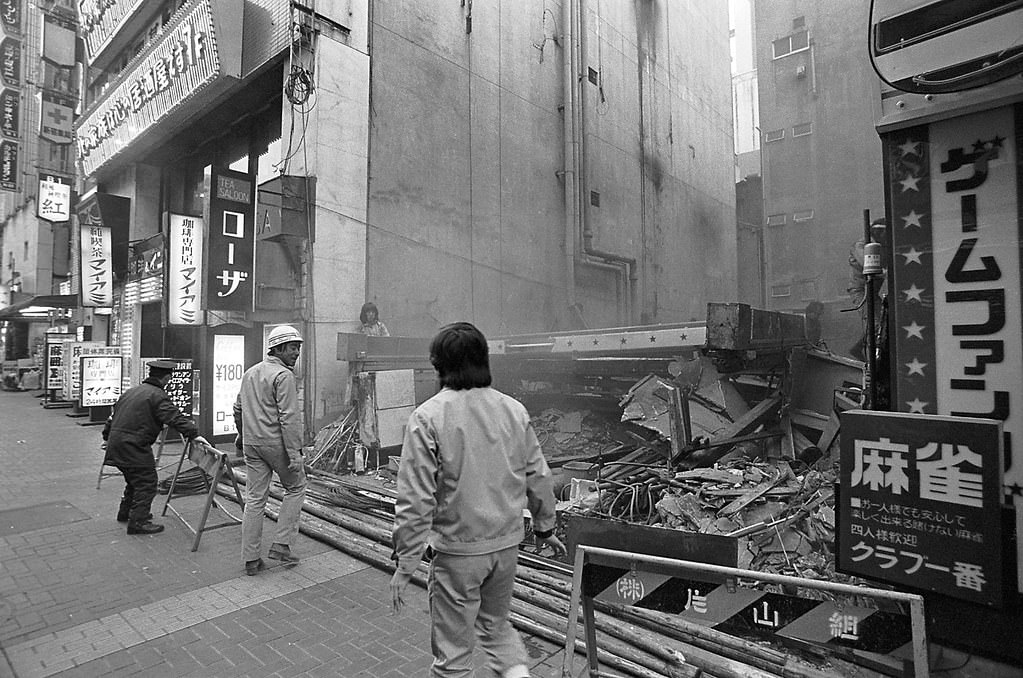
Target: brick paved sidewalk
point(79, 597)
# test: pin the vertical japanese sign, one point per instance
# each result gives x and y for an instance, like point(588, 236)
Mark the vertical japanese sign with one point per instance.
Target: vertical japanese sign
point(184, 270)
point(54, 202)
point(921, 502)
point(10, 62)
point(957, 310)
point(10, 15)
point(10, 113)
point(229, 285)
point(97, 270)
point(9, 164)
point(54, 379)
point(228, 368)
point(101, 380)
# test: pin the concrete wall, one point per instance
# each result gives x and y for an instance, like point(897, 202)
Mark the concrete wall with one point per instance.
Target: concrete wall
point(466, 214)
point(835, 170)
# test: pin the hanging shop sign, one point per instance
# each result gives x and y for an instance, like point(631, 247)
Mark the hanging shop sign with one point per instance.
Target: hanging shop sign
point(228, 368)
point(97, 272)
point(229, 285)
point(145, 267)
point(201, 49)
point(955, 273)
point(10, 16)
point(58, 40)
point(10, 62)
point(56, 118)
point(54, 203)
point(8, 165)
point(10, 113)
point(920, 502)
point(101, 380)
point(184, 270)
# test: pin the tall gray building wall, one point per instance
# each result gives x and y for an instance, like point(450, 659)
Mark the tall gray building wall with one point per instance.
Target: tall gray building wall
point(466, 208)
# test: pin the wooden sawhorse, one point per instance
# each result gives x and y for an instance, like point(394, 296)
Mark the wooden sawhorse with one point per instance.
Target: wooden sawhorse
point(215, 466)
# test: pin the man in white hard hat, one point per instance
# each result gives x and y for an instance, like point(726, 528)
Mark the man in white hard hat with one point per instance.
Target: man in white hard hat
point(271, 433)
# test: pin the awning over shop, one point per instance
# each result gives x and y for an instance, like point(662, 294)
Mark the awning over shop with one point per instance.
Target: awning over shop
point(38, 307)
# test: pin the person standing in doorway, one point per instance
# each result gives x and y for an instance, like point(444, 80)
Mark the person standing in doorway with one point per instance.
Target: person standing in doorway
point(371, 325)
point(136, 420)
point(470, 463)
point(271, 433)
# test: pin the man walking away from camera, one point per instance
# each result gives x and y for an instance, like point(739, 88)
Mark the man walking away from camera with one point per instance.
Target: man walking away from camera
point(470, 463)
point(136, 420)
point(271, 433)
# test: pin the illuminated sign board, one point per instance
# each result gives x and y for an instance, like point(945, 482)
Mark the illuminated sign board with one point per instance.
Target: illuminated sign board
point(190, 56)
point(957, 312)
point(229, 283)
point(228, 368)
point(100, 20)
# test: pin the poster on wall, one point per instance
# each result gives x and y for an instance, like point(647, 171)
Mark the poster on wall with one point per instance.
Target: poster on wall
point(228, 368)
point(184, 270)
point(101, 380)
point(97, 267)
point(229, 284)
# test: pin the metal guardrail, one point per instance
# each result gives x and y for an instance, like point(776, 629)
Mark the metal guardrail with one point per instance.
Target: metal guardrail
point(591, 555)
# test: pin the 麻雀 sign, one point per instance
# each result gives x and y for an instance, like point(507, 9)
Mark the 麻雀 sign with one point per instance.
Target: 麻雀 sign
point(920, 502)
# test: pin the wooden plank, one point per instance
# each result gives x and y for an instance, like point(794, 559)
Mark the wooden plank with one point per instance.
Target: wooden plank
point(757, 416)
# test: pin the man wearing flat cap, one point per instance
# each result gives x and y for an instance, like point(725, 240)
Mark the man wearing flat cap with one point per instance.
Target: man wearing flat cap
point(131, 429)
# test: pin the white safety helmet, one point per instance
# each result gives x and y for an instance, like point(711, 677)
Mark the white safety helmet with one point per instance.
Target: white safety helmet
point(282, 334)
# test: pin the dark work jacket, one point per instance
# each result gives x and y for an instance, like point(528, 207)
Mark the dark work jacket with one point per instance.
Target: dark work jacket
point(137, 419)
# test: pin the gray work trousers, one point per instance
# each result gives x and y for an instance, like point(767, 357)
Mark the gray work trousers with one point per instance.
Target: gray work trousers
point(261, 462)
point(471, 595)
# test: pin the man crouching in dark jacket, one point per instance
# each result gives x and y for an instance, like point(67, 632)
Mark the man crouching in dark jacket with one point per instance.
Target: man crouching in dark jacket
point(131, 429)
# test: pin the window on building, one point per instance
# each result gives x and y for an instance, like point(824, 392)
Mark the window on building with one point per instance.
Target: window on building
point(776, 220)
point(804, 215)
point(803, 129)
point(808, 290)
point(781, 290)
point(774, 135)
point(57, 156)
point(58, 78)
point(798, 22)
point(790, 44)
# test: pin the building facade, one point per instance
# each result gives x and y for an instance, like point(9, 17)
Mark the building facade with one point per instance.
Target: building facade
point(526, 166)
point(38, 98)
point(821, 156)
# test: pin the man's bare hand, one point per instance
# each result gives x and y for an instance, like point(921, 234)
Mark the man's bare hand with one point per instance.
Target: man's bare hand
point(399, 582)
